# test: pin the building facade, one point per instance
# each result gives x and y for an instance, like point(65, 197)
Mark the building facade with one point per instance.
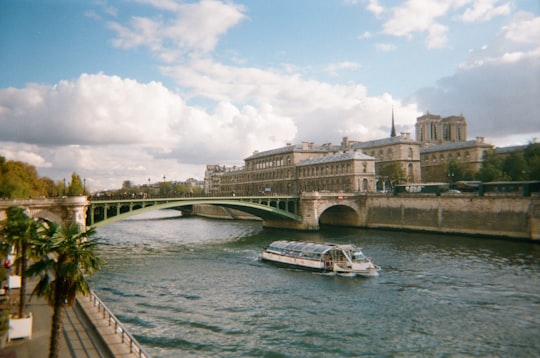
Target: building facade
point(350, 167)
point(433, 129)
point(400, 150)
point(435, 158)
point(293, 169)
point(443, 140)
point(354, 166)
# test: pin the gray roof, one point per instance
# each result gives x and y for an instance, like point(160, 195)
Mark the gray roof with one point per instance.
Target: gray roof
point(383, 141)
point(514, 148)
point(294, 148)
point(453, 145)
point(335, 158)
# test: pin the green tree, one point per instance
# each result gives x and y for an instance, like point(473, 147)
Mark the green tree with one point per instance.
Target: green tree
point(48, 187)
point(67, 258)
point(75, 187)
point(456, 171)
point(515, 166)
point(491, 169)
point(18, 180)
point(532, 157)
point(20, 231)
point(392, 173)
point(165, 188)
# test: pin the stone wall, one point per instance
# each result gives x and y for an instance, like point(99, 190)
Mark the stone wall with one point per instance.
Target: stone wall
point(512, 217)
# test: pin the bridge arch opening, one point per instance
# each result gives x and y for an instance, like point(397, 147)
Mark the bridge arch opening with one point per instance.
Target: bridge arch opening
point(339, 215)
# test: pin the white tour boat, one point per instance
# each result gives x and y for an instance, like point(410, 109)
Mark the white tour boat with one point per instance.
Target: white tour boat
point(346, 260)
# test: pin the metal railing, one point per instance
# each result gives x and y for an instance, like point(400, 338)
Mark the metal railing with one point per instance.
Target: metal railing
point(127, 338)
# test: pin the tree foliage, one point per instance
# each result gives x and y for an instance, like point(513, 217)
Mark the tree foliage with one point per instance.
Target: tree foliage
point(67, 258)
point(393, 173)
point(516, 166)
point(76, 187)
point(456, 171)
point(20, 231)
point(20, 180)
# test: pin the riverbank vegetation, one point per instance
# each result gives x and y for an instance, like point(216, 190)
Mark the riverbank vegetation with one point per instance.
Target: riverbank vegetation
point(20, 180)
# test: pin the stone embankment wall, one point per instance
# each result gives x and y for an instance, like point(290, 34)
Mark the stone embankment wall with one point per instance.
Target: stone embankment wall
point(219, 212)
point(513, 217)
point(498, 216)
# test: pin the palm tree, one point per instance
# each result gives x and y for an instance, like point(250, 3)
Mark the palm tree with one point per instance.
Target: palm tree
point(19, 231)
point(67, 257)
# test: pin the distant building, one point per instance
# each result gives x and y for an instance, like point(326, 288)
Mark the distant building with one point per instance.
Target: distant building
point(443, 140)
point(354, 166)
point(401, 150)
point(303, 167)
point(435, 158)
point(433, 129)
point(350, 166)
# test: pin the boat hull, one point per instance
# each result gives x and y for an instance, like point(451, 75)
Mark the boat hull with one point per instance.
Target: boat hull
point(316, 266)
point(343, 260)
point(286, 261)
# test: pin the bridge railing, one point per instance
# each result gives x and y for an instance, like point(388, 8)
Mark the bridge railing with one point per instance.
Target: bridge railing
point(127, 338)
point(175, 196)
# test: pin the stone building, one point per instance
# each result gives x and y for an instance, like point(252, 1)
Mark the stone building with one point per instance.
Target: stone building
point(436, 158)
point(443, 140)
point(401, 150)
point(351, 167)
point(346, 171)
point(355, 166)
point(305, 167)
point(433, 129)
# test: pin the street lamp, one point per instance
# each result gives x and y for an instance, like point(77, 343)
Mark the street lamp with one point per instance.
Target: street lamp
point(148, 187)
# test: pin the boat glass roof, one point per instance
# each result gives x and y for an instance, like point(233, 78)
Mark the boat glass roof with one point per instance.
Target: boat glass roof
point(305, 247)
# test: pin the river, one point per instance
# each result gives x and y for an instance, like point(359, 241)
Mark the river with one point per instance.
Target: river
point(194, 287)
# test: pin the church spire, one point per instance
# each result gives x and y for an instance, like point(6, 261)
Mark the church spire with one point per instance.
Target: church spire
point(393, 132)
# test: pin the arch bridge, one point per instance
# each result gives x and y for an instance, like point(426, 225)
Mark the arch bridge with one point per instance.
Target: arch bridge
point(103, 211)
point(304, 212)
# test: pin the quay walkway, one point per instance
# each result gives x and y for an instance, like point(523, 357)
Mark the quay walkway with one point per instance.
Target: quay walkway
point(90, 330)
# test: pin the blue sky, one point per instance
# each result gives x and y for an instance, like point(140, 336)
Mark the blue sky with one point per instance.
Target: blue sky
point(130, 90)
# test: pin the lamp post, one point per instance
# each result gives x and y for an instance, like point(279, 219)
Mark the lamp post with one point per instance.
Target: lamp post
point(148, 187)
point(84, 186)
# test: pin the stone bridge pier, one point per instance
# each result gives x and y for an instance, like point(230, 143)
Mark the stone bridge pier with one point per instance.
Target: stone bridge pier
point(58, 210)
point(339, 209)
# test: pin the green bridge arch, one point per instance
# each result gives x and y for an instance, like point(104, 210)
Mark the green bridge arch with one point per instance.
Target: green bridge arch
point(104, 211)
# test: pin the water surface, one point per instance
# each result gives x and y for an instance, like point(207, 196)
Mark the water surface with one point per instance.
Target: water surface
point(194, 287)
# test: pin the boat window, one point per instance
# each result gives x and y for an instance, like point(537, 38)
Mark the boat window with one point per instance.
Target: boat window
point(359, 256)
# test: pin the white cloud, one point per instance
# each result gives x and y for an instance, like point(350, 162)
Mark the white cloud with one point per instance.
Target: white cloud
point(93, 109)
point(335, 68)
point(374, 7)
point(426, 17)
point(517, 41)
point(24, 153)
point(321, 112)
point(385, 47)
point(497, 88)
point(484, 10)
point(418, 16)
point(193, 27)
point(99, 121)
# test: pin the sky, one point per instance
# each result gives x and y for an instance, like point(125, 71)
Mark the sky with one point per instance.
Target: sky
point(118, 90)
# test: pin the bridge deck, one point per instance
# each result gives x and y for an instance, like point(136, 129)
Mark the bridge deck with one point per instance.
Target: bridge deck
point(103, 210)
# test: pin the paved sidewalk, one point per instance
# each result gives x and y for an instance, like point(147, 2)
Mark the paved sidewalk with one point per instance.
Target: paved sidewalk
point(85, 333)
point(38, 345)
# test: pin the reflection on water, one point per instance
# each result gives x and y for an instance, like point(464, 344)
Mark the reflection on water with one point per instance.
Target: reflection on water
point(195, 287)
